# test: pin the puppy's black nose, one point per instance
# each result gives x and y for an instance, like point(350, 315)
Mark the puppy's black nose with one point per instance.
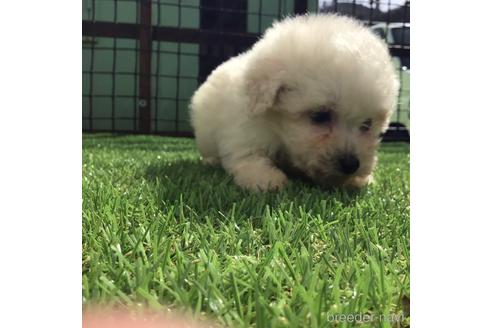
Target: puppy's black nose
point(348, 163)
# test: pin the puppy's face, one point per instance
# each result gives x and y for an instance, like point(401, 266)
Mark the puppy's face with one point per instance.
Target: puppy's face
point(328, 142)
point(329, 121)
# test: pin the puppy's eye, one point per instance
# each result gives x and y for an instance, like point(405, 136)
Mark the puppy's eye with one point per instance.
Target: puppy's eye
point(366, 126)
point(321, 117)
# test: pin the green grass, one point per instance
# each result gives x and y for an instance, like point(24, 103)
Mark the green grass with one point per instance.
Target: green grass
point(159, 228)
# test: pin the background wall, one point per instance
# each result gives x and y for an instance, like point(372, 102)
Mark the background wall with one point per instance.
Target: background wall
point(111, 65)
point(175, 66)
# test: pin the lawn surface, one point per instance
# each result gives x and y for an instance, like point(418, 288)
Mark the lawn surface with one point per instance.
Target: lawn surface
point(161, 228)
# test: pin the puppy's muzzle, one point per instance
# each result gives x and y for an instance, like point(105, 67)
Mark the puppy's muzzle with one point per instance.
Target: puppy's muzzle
point(348, 163)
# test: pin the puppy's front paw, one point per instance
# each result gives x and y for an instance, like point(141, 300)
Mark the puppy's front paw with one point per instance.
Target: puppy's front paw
point(359, 182)
point(259, 175)
point(267, 180)
point(256, 173)
point(212, 161)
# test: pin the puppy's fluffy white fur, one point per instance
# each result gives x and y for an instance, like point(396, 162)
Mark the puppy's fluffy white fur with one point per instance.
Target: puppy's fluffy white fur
point(256, 113)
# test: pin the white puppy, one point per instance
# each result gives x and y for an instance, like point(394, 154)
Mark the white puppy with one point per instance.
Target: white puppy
point(313, 95)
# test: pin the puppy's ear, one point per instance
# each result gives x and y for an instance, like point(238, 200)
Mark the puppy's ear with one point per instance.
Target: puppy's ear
point(382, 121)
point(264, 83)
point(385, 116)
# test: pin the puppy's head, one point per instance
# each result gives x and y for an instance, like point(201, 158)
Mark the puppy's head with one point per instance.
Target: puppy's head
point(326, 86)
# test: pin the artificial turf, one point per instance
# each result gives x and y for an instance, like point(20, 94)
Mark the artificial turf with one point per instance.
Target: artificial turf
point(159, 228)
